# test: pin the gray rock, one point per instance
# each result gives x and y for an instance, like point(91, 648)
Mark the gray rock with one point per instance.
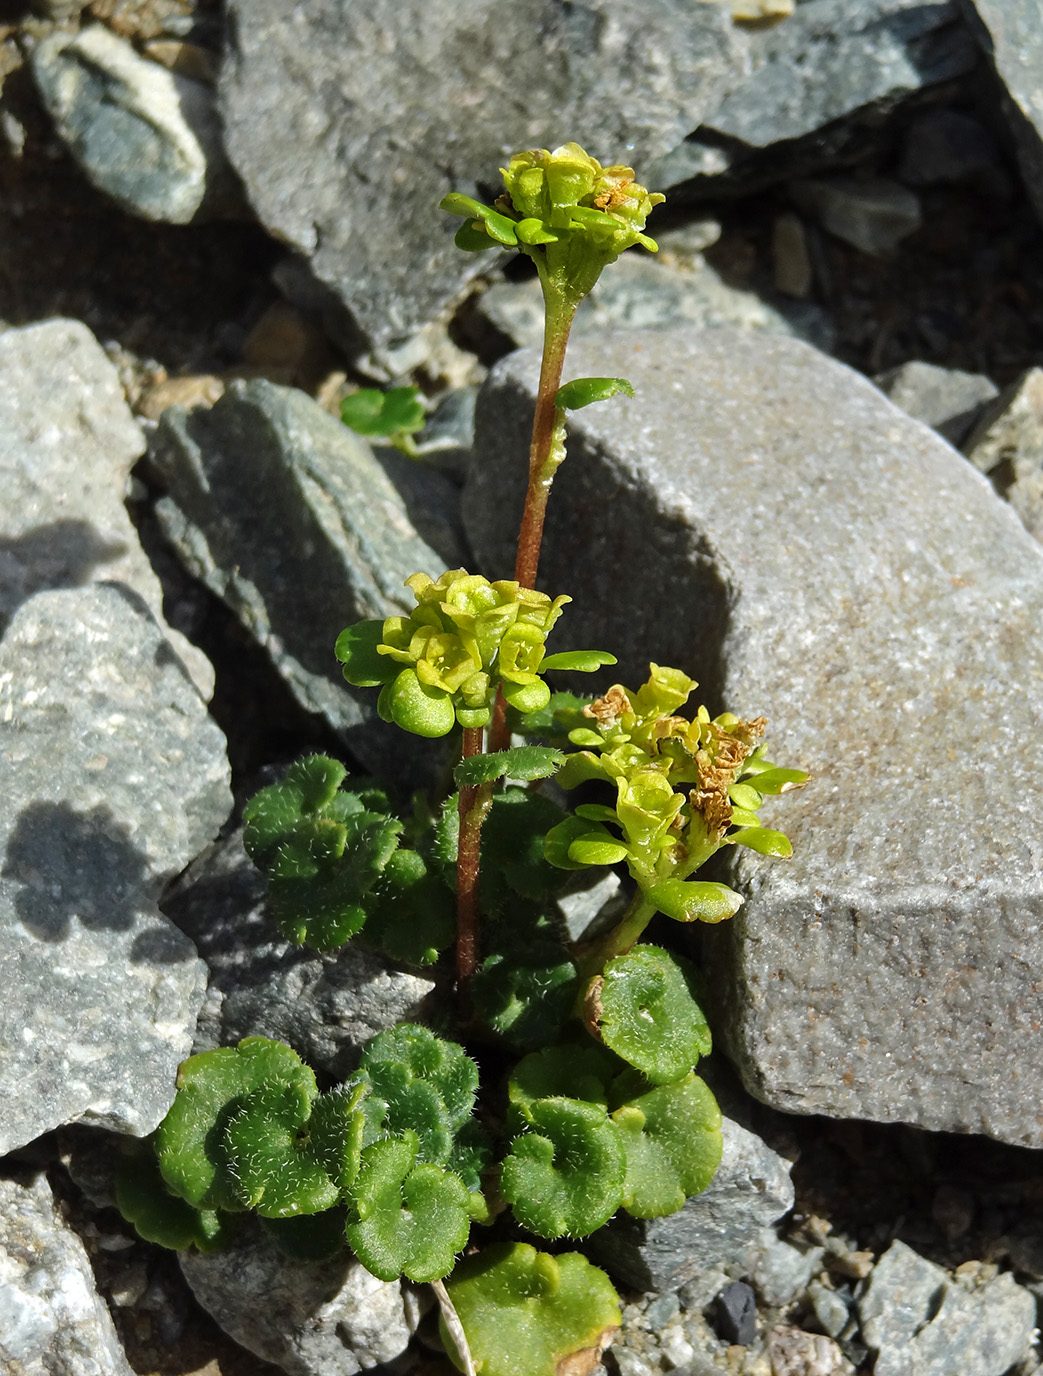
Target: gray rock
point(834, 567)
point(870, 213)
point(831, 60)
point(146, 136)
point(831, 1309)
point(1010, 32)
point(52, 1320)
point(67, 444)
point(751, 1189)
point(945, 145)
point(348, 125)
point(922, 1323)
point(639, 294)
point(946, 399)
point(288, 516)
point(115, 778)
point(1007, 443)
point(779, 1270)
point(329, 1318)
point(325, 1007)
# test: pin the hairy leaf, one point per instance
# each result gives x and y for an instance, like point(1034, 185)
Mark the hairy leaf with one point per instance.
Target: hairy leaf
point(648, 1016)
point(512, 847)
point(370, 411)
point(523, 762)
point(525, 1313)
point(565, 1177)
point(525, 1000)
point(576, 1070)
point(443, 1064)
point(411, 913)
point(672, 1138)
point(158, 1216)
point(268, 1151)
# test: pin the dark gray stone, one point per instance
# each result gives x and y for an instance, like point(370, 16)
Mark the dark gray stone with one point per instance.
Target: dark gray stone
point(762, 517)
point(1011, 33)
point(52, 1320)
point(67, 444)
point(329, 1318)
point(325, 1006)
point(114, 778)
point(751, 1189)
point(921, 1322)
point(146, 136)
point(944, 145)
point(869, 213)
point(736, 1309)
point(830, 61)
point(289, 517)
point(946, 399)
point(349, 124)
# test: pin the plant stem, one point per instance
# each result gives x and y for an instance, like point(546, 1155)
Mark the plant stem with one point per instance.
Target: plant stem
point(620, 939)
point(560, 311)
point(475, 802)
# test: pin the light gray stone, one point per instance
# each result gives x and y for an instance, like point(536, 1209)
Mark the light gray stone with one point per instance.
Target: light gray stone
point(146, 136)
point(325, 1006)
point(831, 1309)
point(779, 1270)
point(329, 1318)
point(869, 213)
point(640, 294)
point(52, 1320)
point(1007, 443)
point(349, 124)
point(289, 517)
point(67, 444)
point(830, 60)
point(114, 777)
point(762, 517)
point(946, 399)
point(751, 1189)
point(920, 1322)
point(1011, 34)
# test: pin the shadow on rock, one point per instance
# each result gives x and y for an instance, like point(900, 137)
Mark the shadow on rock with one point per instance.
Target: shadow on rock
point(61, 554)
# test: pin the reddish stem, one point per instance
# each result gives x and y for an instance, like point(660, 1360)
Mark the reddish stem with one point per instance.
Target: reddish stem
point(473, 808)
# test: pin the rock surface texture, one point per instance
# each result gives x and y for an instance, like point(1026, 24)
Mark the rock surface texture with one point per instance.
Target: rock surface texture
point(765, 519)
point(457, 89)
point(329, 1318)
point(67, 444)
point(52, 1320)
point(114, 778)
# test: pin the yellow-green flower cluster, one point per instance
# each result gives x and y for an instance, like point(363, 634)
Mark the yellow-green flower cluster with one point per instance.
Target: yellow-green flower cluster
point(681, 784)
point(443, 664)
point(570, 214)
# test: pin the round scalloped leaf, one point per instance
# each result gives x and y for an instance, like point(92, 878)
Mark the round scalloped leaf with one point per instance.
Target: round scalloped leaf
point(441, 1063)
point(308, 1237)
point(335, 1131)
point(157, 1215)
point(406, 1219)
point(525, 1002)
point(268, 1148)
point(471, 1156)
point(356, 648)
point(698, 901)
point(763, 840)
point(526, 1313)
point(577, 1071)
point(672, 1139)
point(211, 1087)
point(648, 1015)
point(318, 778)
point(411, 913)
point(565, 1177)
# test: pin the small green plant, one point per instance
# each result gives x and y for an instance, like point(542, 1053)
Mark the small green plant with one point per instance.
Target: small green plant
point(395, 415)
point(592, 1105)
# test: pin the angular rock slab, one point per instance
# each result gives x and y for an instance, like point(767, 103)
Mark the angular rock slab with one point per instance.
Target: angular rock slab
point(67, 444)
point(348, 124)
point(113, 778)
point(52, 1320)
point(762, 517)
point(293, 521)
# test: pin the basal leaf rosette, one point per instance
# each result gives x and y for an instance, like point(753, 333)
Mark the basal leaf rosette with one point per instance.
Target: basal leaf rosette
point(671, 1136)
point(568, 213)
point(467, 639)
point(526, 1313)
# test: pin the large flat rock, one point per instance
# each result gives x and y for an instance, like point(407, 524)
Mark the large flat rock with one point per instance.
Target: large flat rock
point(766, 519)
point(349, 123)
point(114, 777)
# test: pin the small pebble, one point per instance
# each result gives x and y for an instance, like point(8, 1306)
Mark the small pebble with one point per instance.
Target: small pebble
point(736, 1310)
point(662, 1310)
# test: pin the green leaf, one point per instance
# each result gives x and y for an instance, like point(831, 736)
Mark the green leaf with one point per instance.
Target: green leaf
point(771, 779)
point(472, 240)
point(579, 1071)
point(673, 1144)
point(268, 1152)
point(442, 1064)
point(596, 848)
point(648, 1015)
point(370, 411)
point(698, 901)
point(525, 1313)
point(308, 1237)
point(526, 762)
point(562, 713)
point(356, 648)
point(404, 1218)
point(745, 796)
point(763, 840)
point(513, 859)
point(524, 1001)
point(211, 1088)
point(558, 842)
point(577, 661)
point(564, 1177)
point(158, 1216)
point(526, 697)
point(411, 913)
point(415, 707)
point(585, 390)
